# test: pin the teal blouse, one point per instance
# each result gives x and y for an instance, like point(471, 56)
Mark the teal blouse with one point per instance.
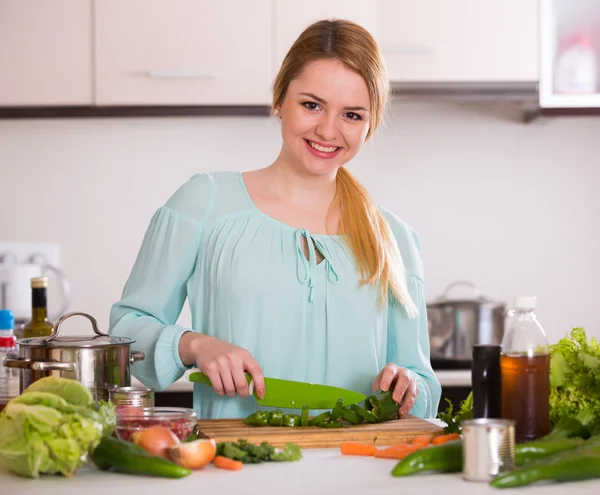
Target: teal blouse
point(248, 282)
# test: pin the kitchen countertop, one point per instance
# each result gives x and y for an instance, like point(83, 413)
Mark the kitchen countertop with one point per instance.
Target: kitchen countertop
point(447, 378)
point(321, 471)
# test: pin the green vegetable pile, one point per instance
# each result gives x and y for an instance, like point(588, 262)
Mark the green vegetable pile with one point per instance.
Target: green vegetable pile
point(575, 378)
point(52, 428)
point(249, 453)
point(377, 408)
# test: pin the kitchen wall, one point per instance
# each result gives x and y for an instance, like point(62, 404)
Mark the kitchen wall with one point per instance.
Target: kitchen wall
point(513, 207)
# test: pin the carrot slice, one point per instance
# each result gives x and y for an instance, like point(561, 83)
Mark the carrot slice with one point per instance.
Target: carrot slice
point(420, 440)
point(445, 438)
point(395, 452)
point(354, 448)
point(223, 462)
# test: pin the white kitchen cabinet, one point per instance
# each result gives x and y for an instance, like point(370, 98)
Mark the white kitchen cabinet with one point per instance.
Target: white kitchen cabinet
point(570, 54)
point(447, 41)
point(45, 52)
point(183, 52)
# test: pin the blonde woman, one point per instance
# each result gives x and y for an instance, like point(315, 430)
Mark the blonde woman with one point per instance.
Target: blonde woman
point(292, 271)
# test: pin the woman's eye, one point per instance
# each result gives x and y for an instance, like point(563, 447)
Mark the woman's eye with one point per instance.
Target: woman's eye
point(311, 105)
point(353, 116)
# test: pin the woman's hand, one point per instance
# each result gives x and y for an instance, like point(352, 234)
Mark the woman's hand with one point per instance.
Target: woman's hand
point(223, 363)
point(404, 386)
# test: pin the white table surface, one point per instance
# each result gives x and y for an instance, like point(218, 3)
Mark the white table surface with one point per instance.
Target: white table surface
point(321, 471)
point(447, 378)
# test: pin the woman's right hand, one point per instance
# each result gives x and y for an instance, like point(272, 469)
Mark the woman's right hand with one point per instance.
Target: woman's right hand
point(223, 363)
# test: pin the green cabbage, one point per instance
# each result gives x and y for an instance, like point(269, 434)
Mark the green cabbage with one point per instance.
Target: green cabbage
point(575, 378)
point(46, 433)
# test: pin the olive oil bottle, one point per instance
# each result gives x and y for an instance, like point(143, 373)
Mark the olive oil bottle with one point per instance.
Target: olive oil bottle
point(38, 326)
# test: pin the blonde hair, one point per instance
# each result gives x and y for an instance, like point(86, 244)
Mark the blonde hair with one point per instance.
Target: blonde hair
point(367, 232)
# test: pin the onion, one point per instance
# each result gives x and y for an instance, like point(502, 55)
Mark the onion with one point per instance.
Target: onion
point(156, 440)
point(195, 454)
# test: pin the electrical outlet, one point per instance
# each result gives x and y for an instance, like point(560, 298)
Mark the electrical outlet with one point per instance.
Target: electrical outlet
point(23, 251)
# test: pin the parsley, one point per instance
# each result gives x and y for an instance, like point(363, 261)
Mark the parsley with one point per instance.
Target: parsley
point(453, 420)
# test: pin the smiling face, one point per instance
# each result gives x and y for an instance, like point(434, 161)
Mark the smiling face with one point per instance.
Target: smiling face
point(324, 117)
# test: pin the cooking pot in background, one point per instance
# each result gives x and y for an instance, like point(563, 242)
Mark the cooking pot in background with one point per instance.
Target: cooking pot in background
point(99, 362)
point(456, 325)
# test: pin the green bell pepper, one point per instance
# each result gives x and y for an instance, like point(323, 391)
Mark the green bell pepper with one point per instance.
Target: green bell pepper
point(383, 406)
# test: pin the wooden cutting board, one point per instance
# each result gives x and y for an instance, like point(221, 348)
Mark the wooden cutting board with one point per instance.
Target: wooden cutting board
point(388, 433)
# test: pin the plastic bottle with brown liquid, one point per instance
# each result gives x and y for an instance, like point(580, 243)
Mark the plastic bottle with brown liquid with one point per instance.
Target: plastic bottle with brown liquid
point(525, 373)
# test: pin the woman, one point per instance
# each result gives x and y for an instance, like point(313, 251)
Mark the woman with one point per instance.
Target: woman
point(291, 271)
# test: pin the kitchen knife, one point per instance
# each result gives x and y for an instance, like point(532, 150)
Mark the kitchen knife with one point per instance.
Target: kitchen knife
point(293, 395)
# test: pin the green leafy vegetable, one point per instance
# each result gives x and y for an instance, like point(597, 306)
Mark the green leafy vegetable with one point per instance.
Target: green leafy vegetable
point(452, 419)
point(250, 453)
point(575, 378)
point(42, 432)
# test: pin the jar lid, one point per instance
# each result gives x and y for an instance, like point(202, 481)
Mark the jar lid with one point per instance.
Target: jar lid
point(75, 341)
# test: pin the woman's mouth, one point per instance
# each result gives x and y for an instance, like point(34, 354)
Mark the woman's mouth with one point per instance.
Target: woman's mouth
point(321, 151)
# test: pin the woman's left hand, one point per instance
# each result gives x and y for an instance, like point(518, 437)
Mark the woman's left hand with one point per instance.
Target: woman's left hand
point(403, 384)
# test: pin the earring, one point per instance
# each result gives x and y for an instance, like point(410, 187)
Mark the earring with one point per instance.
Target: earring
point(276, 111)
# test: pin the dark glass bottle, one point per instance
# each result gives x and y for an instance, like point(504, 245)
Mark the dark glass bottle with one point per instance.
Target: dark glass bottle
point(38, 326)
point(486, 382)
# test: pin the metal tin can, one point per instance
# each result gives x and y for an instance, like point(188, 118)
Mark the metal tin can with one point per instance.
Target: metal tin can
point(488, 448)
point(132, 396)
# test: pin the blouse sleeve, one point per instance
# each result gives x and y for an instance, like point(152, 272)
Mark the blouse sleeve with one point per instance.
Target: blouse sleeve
point(408, 339)
point(155, 291)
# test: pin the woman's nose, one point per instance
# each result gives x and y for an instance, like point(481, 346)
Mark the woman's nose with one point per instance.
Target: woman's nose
point(327, 128)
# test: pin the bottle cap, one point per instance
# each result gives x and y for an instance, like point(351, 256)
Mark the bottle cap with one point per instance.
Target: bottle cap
point(7, 320)
point(8, 341)
point(481, 351)
point(39, 283)
point(525, 302)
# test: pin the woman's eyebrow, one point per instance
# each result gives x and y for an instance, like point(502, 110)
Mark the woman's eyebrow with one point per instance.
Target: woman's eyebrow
point(323, 102)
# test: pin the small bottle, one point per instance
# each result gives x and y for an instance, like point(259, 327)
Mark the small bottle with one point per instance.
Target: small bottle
point(525, 373)
point(9, 377)
point(38, 326)
point(485, 379)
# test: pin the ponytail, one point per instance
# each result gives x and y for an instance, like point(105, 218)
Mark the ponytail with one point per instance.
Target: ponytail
point(372, 241)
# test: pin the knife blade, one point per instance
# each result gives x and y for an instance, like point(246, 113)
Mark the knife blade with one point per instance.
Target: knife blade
point(294, 395)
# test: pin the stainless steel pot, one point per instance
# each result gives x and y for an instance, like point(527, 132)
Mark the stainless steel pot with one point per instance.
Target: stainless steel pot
point(99, 362)
point(456, 325)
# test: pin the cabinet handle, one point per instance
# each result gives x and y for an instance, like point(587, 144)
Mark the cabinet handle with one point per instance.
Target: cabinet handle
point(179, 74)
point(410, 49)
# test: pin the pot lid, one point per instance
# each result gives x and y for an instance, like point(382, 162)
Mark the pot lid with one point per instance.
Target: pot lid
point(54, 340)
point(76, 341)
point(476, 297)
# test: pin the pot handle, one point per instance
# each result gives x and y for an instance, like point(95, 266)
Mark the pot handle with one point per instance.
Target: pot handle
point(29, 364)
point(136, 356)
point(60, 321)
point(458, 283)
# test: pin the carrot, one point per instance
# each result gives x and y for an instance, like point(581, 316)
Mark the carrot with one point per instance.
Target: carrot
point(223, 462)
point(395, 452)
point(353, 448)
point(399, 446)
point(445, 438)
point(420, 440)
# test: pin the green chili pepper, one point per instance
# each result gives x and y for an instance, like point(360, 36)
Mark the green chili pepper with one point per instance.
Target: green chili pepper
point(445, 458)
point(321, 418)
point(350, 416)
point(336, 412)
point(259, 418)
point(531, 451)
point(383, 406)
point(291, 420)
point(578, 465)
point(276, 418)
point(304, 420)
point(126, 457)
point(368, 416)
point(331, 424)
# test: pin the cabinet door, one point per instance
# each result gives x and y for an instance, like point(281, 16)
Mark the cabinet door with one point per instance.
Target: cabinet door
point(45, 52)
point(292, 17)
point(183, 52)
point(459, 40)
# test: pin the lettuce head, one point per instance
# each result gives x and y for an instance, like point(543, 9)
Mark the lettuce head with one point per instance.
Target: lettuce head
point(42, 432)
point(575, 378)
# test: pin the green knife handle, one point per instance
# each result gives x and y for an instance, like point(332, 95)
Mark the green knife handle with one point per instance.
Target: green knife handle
point(199, 377)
